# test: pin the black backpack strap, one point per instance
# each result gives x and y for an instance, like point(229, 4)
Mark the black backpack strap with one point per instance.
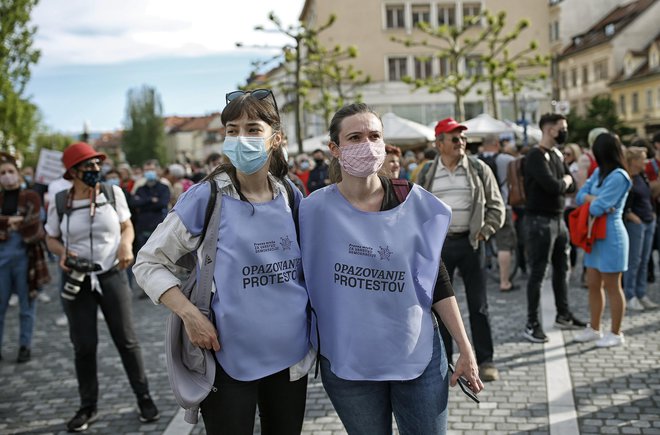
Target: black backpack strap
point(202, 292)
point(109, 193)
point(60, 203)
point(401, 189)
point(289, 186)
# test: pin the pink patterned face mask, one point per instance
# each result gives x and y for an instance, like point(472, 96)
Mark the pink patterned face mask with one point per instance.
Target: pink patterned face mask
point(363, 159)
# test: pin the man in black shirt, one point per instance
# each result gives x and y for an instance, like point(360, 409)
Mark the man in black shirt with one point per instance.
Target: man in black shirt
point(547, 180)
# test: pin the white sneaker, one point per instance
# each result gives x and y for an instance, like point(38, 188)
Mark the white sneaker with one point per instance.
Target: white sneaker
point(634, 304)
point(648, 303)
point(61, 321)
point(588, 334)
point(13, 300)
point(43, 297)
point(610, 339)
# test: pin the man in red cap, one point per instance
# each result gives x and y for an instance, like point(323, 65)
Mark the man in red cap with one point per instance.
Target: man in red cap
point(467, 185)
point(93, 236)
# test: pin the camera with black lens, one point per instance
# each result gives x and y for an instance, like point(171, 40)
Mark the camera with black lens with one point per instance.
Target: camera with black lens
point(80, 267)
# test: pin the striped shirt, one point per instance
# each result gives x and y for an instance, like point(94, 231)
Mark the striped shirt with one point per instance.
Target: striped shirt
point(454, 189)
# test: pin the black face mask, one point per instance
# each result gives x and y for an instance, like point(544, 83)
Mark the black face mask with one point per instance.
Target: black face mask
point(561, 137)
point(91, 178)
point(318, 162)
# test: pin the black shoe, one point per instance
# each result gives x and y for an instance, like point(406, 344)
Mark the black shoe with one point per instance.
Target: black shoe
point(569, 322)
point(534, 333)
point(23, 355)
point(81, 421)
point(147, 408)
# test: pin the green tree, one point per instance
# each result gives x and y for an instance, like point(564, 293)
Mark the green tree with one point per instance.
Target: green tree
point(18, 116)
point(503, 68)
point(601, 112)
point(47, 139)
point(329, 79)
point(144, 133)
point(292, 64)
point(452, 45)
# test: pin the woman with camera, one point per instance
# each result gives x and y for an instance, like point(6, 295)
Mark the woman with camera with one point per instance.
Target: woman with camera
point(21, 254)
point(89, 228)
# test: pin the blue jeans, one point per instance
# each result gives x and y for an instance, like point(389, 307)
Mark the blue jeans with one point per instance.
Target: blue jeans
point(14, 278)
point(419, 405)
point(641, 243)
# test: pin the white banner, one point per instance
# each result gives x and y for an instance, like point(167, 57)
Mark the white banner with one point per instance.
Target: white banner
point(50, 166)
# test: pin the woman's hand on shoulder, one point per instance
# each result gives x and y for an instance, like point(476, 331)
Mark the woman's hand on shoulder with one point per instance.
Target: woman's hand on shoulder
point(466, 366)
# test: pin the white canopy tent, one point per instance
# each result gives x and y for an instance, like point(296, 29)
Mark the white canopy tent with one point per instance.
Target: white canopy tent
point(484, 124)
point(310, 145)
point(404, 132)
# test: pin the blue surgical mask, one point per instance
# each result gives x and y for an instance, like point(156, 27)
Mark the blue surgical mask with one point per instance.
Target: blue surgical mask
point(150, 175)
point(28, 179)
point(113, 181)
point(248, 154)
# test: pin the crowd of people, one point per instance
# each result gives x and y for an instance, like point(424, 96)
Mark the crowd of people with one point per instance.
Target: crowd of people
point(393, 225)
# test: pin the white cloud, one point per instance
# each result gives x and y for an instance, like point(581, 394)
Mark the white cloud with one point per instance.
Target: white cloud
point(111, 31)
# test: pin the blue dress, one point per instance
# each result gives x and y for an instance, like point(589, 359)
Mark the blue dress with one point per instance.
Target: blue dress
point(610, 254)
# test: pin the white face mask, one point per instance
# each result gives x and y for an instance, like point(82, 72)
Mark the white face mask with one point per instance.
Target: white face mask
point(9, 180)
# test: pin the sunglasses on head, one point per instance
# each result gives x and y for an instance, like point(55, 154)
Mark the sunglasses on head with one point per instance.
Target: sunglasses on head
point(259, 94)
point(89, 164)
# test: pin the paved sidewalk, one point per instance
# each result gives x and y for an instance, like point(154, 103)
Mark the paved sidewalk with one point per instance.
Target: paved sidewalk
point(613, 390)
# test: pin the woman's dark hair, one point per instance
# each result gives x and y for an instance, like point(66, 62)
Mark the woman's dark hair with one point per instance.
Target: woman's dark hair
point(335, 128)
point(391, 149)
point(609, 155)
point(253, 108)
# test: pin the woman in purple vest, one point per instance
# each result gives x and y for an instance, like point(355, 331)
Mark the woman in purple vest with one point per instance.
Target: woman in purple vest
point(371, 255)
point(260, 335)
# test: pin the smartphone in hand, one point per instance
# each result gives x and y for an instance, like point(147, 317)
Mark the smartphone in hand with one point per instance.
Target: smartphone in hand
point(465, 385)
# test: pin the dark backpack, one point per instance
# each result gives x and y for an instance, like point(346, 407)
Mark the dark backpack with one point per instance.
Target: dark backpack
point(490, 160)
point(62, 209)
point(516, 182)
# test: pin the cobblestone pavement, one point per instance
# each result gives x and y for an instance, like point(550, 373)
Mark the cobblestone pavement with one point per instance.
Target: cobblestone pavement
point(614, 390)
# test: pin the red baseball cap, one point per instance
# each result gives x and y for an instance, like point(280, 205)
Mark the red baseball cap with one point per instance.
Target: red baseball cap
point(447, 125)
point(77, 153)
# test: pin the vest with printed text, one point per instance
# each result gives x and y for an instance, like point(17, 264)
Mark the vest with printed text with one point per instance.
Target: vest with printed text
point(370, 276)
point(260, 305)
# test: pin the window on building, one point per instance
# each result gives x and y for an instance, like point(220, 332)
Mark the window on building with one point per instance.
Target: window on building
point(658, 99)
point(653, 61)
point(574, 77)
point(635, 102)
point(600, 70)
point(473, 66)
point(423, 68)
point(585, 74)
point(622, 104)
point(649, 99)
point(397, 68)
point(395, 14)
point(445, 66)
point(421, 14)
point(563, 82)
point(554, 31)
point(446, 15)
point(471, 10)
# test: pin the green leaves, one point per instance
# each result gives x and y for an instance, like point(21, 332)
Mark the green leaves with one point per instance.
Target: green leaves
point(144, 134)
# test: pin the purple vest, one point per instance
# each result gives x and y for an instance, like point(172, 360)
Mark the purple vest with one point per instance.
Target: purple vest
point(260, 304)
point(371, 276)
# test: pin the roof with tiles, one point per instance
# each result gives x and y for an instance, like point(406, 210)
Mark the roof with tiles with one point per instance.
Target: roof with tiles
point(644, 69)
point(608, 27)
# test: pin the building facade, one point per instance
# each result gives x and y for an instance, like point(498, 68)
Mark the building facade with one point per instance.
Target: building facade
point(594, 57)
point(636, 90)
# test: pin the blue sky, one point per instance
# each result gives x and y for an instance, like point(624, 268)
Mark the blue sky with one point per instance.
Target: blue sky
point(93, 52)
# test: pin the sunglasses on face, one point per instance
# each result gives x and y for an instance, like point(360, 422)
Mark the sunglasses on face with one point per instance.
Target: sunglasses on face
point(458, 139)
point(259, 94)
point(89, 164)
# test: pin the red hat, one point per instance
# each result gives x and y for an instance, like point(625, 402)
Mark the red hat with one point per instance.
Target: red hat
point(447, 125)
point(77, 153)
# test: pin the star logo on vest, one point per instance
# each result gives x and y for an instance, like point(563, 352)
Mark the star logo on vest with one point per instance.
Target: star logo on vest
point(285, 242)
point(384, 253)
